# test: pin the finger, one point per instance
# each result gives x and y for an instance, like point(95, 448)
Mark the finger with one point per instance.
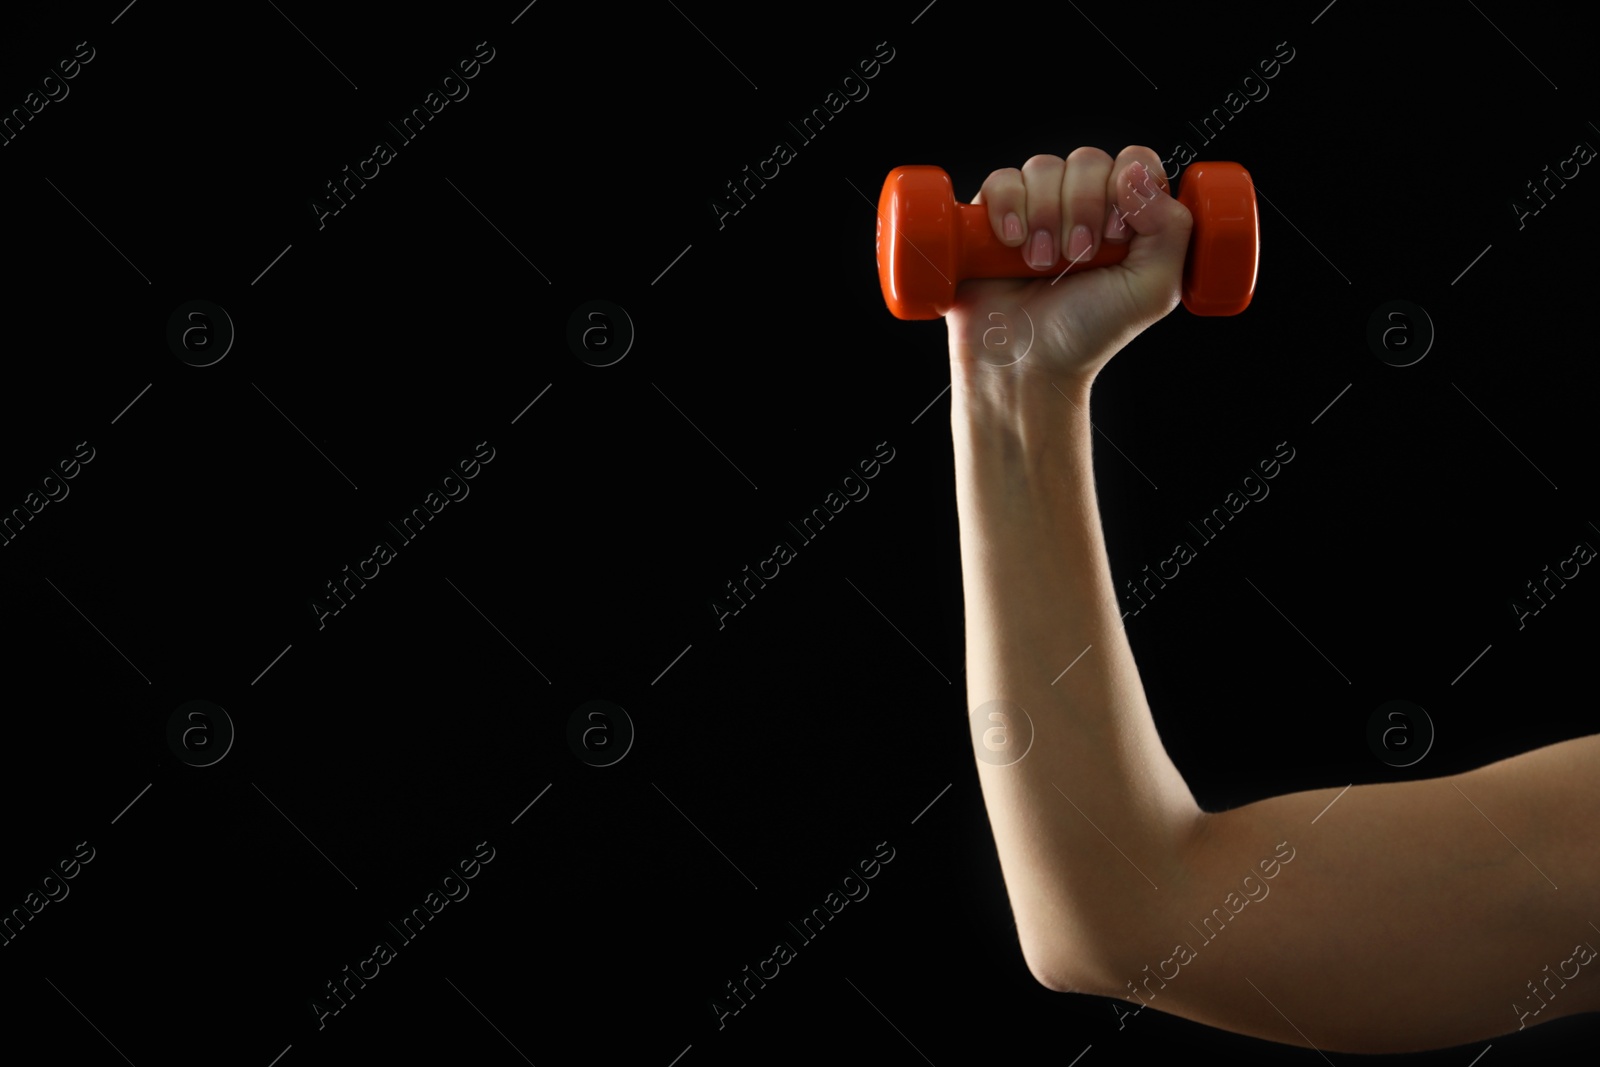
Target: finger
point(1083, 191)
point(1162, 227)
point(1149, 208)
point(1041, 175)
point(1117, 227)
point(1006, 198)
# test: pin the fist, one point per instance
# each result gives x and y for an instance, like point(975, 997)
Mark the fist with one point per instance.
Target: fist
point(1066, 327)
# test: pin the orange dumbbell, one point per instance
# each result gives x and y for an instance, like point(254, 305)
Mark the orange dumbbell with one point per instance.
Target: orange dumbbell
point(928, 243)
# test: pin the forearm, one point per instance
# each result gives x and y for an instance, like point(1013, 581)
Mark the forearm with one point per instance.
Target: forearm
point(1096, 781)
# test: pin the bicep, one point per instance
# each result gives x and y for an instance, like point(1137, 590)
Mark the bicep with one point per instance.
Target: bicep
point(1409, 915)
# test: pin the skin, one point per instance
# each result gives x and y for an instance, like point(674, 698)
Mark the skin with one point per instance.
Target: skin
point(1407, 916)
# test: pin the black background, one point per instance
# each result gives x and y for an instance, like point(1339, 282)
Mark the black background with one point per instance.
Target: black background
point(776, 752)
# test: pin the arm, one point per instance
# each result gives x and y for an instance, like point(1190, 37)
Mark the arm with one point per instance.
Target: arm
point(1402, 919)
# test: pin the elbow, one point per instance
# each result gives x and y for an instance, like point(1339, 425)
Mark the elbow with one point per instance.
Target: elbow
point(1045, 967)
point(1059, 968)
point(1082, 938)
point(1084, 943)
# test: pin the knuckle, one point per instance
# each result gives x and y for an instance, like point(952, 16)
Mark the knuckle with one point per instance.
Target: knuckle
point(1042, 161)
point(1089, 154)
point(1003, 180)
point(1150, 158)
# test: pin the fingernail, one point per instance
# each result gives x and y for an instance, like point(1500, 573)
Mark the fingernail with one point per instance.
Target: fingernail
point(1141, 178)
point(1079, 242)
point(1013, 226)
point(1043, 253)
point(1116, 228)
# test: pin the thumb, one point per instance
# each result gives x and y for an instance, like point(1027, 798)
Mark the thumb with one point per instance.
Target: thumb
point(1162, 227)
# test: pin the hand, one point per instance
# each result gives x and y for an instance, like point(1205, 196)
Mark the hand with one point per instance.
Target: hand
point(1075, 322)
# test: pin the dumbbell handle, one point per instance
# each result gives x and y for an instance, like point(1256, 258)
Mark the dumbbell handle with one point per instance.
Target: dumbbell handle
point(982, 255)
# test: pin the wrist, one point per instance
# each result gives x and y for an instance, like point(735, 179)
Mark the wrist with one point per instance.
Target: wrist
point(1007, 355)
point(1018, 415)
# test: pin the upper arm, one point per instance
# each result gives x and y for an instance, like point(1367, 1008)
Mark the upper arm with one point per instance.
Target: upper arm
point(1408, 915)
